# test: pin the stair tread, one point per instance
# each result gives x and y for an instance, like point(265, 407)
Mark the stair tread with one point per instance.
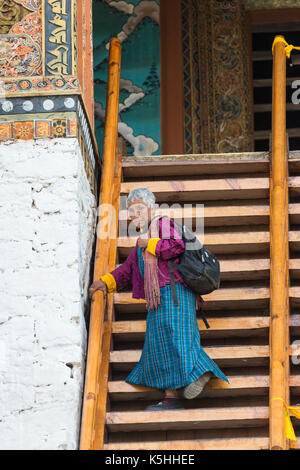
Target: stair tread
point(222, 215)
point(204, 189)
point(219, 327)
point(221, 298)
point(222, 355)
point(219, 352)
point(120, 389)
point(187, 418)
point(238, 443)
point(225, 243)
point(168, 165)
point(228, 323)
point(230, 293)
point(221, 243)
point(210, 189)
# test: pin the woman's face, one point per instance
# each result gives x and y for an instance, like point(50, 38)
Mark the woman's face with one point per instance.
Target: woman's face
point(139, 213)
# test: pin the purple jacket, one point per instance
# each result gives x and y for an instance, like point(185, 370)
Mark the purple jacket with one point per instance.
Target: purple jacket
point(166, 249)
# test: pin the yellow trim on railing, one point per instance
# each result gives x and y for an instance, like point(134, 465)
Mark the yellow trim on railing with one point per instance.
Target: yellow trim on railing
point(289, 430)
point(289, 47)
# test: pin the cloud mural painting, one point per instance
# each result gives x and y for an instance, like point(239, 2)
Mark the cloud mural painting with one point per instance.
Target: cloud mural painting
point(136, 24)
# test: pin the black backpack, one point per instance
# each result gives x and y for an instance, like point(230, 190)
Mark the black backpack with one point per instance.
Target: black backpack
point(199, 268)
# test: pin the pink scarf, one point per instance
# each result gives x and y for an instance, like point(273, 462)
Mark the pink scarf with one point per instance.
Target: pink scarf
point(151, 280)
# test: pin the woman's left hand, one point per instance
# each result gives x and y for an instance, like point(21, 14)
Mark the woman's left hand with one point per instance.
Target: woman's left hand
point(142, 242)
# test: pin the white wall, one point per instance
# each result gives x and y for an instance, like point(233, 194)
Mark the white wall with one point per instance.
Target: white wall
point(47, 225)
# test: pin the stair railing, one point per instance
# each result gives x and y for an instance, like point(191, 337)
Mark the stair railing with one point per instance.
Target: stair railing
point(94, 402)
point(279, 255)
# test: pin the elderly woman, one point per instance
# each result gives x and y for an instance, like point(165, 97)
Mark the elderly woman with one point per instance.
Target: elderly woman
point(172, 358)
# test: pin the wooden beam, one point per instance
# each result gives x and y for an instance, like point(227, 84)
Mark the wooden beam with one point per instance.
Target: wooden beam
point(216, 163)
point(280, 15)
point(229, 326)
point(238, 443)
point(228, 356)
point(237, 386)
point(221, 298)
point(227, 243)
point(216, 216)
point(204, 189)
point(279, 255)
point(218, 418)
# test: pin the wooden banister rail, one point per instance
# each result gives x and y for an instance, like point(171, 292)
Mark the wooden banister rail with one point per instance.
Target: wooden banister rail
point(279, 254)
point(96, 327)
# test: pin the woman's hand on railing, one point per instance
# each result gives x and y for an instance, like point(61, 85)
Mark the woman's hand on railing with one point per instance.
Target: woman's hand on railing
point(98, 285)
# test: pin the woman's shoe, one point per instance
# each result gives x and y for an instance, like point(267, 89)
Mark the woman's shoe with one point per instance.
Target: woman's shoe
point(166, 405)
point(194, 389)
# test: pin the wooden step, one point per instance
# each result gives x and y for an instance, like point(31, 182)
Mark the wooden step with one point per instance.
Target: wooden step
point(216, 418)
point(295, 296)
point(228, 356)
point(252, 269)
point(237, 386)
point(210, 189)
point(219, 327)
point(215, 216)
point(247, 269)
point(238, 443)
point(221, 243)
point(226, 243)
point(246, 297)
point(204, 164)
point(241, 385)
point(218, 216)
point(204, 190)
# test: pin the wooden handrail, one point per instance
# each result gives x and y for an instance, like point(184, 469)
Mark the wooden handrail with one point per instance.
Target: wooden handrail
point(279, 255)
point(96, 327)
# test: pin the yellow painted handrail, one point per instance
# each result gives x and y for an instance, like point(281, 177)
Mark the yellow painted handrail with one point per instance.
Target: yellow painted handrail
point(96, 327)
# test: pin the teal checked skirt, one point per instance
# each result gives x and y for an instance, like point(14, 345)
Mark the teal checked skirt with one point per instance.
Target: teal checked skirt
point(172, 356)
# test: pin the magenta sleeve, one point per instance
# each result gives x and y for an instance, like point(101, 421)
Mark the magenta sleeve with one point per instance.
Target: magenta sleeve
point(171, 244)
point(123, 274)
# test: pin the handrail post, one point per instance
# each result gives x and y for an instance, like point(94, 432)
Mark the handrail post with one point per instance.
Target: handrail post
point(279, 255)
point(102, 250)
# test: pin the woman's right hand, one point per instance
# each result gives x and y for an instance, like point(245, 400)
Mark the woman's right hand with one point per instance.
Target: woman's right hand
point(98, 285)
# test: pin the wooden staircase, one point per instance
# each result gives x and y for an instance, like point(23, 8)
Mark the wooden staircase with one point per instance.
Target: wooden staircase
point(225, 416)
point(235, 191)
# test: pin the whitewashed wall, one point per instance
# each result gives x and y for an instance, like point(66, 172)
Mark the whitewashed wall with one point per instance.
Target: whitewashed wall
point(47, 226)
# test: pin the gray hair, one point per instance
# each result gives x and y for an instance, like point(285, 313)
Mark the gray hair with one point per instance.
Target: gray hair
point(141, 193)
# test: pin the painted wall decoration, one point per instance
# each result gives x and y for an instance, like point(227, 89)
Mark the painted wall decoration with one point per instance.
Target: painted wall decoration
point(136, 24)
point(20, 38)
point(42, 93)
point(217, 105)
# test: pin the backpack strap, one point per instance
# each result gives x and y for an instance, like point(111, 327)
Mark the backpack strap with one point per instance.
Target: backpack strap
point(203, 317)
point(173, 283)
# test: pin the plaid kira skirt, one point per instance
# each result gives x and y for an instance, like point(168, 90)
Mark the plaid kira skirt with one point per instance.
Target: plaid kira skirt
point(172, 355)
